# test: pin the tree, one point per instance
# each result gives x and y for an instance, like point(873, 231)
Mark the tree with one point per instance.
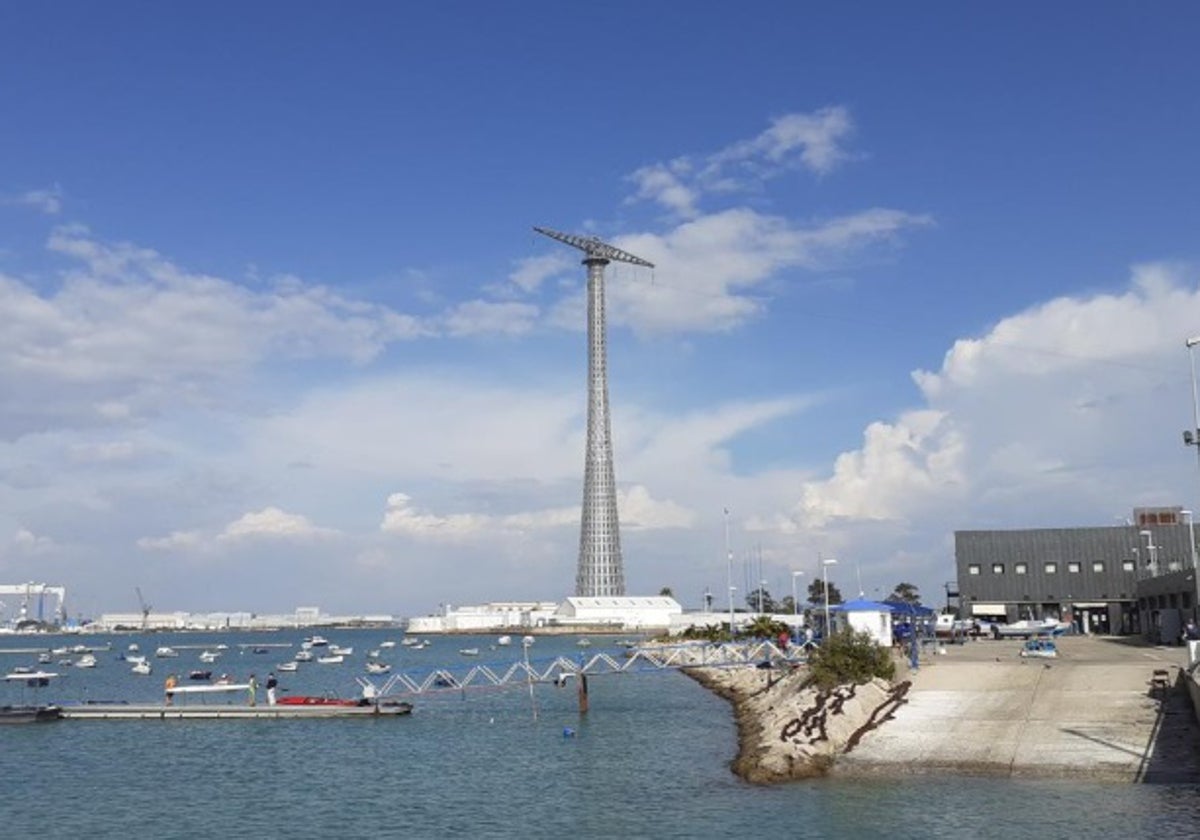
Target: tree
point(666, 592)
point(767, 605)
point(816, 592)
point(850, 657)
point(786, 605)
point(765, 627)
point(905, 593)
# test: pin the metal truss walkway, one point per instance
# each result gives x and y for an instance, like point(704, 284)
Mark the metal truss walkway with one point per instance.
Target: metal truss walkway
point(647, 659)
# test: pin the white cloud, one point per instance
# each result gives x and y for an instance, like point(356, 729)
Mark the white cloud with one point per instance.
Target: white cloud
point(531, 272)
point(809, 141)
point(1059, 415)
point(636, 509)
point(273, 523)
point(25, 541)
point(712, 269)
point(47, 201)
point(476, 317)
point(175, 541)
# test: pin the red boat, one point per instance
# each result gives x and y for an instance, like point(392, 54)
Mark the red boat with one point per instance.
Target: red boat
point(394, 707)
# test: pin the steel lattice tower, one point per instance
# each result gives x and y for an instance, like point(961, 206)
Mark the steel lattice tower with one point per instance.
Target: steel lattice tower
point(600, 570)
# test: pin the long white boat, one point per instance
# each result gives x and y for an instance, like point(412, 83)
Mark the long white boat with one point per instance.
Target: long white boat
point(1030, 628)
point(220, 701)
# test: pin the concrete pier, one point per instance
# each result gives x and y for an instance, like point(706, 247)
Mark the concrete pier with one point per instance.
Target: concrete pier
point(1106, 708)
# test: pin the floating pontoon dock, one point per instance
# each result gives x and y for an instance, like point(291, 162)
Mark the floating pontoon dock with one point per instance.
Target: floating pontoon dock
point(181, 709)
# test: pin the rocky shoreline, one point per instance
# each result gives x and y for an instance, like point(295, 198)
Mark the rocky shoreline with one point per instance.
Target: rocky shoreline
point(790, 729)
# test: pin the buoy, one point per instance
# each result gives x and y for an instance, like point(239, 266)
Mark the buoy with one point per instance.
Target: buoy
point(568, 732)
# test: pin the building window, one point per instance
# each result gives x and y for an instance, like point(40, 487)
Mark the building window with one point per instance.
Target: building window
point(1127, 566)
point(1073, 568)
point(1051, 568)
point(1020, 568)
point(997, 568)
point(973, 569)
point(1097, 565)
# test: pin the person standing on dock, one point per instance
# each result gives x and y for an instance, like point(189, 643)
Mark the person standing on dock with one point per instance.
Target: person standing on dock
point(169, 689)
point(271, 683)
point(252, 684)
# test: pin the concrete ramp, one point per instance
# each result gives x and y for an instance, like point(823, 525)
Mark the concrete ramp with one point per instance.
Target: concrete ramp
point(1102, 709)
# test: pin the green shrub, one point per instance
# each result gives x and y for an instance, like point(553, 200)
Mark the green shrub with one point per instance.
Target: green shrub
point(850, 657)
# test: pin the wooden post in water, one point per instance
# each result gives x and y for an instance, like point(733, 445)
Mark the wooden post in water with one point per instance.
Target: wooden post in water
point(583, 693)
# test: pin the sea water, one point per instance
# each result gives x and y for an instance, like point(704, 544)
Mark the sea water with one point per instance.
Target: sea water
point(650, 759)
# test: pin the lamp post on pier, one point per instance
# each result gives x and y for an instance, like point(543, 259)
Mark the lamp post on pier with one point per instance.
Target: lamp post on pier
point(825, 564)
point(732, 589)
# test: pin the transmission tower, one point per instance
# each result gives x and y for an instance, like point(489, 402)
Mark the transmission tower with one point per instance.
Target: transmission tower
point(600, 571)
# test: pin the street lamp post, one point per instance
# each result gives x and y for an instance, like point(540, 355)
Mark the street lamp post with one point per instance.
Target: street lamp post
point(795, 603)
point(1191, 535)
point(825, 564)
point(732, 589)
point(762, 587)
point(1152, 550)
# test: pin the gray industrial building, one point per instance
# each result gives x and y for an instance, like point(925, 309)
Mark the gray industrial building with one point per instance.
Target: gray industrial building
point(1137, 578)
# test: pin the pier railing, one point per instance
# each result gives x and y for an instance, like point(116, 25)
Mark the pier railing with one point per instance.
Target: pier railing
point(648, 658)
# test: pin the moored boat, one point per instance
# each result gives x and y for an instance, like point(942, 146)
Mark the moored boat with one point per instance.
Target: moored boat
point(331, 660)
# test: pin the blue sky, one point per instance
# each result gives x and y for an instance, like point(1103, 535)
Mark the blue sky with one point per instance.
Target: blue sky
point(279, 331)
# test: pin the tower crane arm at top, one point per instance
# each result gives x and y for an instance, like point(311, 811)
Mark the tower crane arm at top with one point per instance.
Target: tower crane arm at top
point(593, 247)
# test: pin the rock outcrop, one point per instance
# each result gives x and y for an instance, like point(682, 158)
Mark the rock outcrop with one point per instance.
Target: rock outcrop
point(790, 729)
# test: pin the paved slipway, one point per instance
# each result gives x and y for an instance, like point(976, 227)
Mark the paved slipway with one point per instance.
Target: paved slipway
point(1098, 711)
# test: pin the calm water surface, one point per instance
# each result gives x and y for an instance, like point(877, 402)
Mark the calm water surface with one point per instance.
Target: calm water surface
point(649, 760)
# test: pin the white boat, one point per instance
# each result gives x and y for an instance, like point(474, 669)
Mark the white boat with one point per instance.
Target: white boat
point(143, 668)
point(44, 658)
point(527, 640)
point(318, 641)
point(378, 667)
point(1030, 628)
point(332, 659)
point(341, 651)
point(388, 644)
point(584, 643)
point(166, 652)
point(133, 646)
point(136, 660)
point(209, 656)
point(419, 646)
point(373, 654)
point(504, 641)
point(86, 661)
point(303, 656)
point(287, 666)
point(469, 651)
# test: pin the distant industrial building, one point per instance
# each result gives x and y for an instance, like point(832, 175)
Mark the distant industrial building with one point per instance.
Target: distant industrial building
point(1138, 578)
point(575, 614)
point(302, 617)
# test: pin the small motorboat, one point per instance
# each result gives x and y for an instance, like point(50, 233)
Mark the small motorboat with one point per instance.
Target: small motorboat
point(332, 659)
point(1040, 649)
point(469, 651)
point(504, 641)
point(374, 667)
point(45, 658)
point(388, 644)
point(209, 656)
point(287, 666)
point(199, 675)
point(133, 647)
point(166, 652)
point(584, 643)
point(341, 651)
point(526, 641)
point(136, 660)
point(88, 660)
point(303, 656)
point(142, 668)
point(318, 641)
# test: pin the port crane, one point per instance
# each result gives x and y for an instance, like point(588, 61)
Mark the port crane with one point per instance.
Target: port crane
point(145, 607)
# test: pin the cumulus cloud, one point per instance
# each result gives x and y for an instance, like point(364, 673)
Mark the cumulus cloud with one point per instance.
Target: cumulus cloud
point(476, 317)
point(25, 541)
point(793, 141)
point(1068, 408)
point(273, 523)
